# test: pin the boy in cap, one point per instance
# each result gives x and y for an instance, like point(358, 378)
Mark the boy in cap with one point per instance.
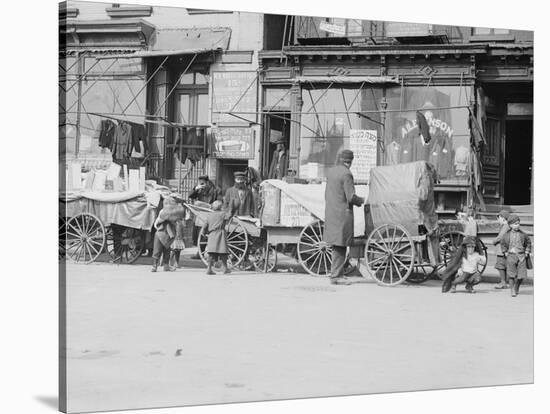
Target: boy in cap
point(500, 265)
point(516, 246)
point(468, 271)
point(214, 227)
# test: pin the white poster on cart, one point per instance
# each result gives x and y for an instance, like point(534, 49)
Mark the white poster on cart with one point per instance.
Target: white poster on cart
point(363, 143)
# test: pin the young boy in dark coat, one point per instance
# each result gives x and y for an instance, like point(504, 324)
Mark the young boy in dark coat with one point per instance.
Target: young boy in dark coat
point(216, 246)
point(165, 224)
point(516, 246)
point(500, 264)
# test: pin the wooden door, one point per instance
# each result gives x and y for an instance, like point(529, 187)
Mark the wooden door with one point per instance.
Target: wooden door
point(492, 159)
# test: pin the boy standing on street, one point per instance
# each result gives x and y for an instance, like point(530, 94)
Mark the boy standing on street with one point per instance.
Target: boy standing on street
point(214, 227)
point(516, 246)
point(500, 265)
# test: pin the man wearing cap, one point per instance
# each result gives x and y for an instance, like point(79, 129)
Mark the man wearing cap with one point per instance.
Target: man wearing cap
point(205, 192)
point(516, 246)
point(279, 162)
point(500, 264)
point(239, 200)
point(339, 201)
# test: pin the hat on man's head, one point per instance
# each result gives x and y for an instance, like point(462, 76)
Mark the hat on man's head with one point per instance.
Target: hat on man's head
point(469, 241)
point(239, 174)
point(513, 218)
point(203, 177)
point(504, 214)
point(346, 155)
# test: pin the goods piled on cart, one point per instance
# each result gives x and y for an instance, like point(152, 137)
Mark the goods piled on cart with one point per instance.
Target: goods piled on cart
point(108, 210)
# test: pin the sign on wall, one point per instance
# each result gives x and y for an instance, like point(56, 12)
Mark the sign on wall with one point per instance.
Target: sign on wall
point(235, 92)
point(363, 143)
point(232, 143)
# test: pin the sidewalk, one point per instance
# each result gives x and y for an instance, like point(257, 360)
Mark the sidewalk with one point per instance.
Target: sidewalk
point(286, 264)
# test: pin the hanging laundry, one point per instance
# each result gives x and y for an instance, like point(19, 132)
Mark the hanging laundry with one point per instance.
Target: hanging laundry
point(195, 138)
point(106, 133)
point(138, 135)
point(423, 127)
point(121, 142)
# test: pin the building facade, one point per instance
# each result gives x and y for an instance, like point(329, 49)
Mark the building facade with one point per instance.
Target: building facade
point(216, 89)
point(351, 78)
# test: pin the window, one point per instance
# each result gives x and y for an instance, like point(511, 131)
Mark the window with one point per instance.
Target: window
point(486, 31)
point(448, 149)
point(329, 118)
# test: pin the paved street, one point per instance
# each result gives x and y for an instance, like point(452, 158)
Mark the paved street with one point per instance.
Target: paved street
point(138, 339)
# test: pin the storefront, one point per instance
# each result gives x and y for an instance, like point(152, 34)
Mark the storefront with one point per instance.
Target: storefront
point(368, 99)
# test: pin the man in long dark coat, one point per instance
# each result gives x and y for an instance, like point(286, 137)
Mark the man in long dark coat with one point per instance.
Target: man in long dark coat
point(206, 192)
point(339, 201)
point(239, 200)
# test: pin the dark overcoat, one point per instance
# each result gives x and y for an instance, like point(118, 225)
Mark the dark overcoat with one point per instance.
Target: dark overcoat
point(238, 207)
point(214, 227)
point(339, 201)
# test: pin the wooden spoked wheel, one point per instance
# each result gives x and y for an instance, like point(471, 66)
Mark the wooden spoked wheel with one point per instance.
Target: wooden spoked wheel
point(237, 243)
point(314, 254)
point(259, 257)
point(85, 238)
point(450, 242)
point(389, 254)
point(124, 244)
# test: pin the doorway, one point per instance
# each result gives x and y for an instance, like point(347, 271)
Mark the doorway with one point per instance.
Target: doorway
point(226, 169)
point(519, 162)
point(276, 128)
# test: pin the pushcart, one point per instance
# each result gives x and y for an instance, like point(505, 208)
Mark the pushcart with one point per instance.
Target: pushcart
point(91, 223)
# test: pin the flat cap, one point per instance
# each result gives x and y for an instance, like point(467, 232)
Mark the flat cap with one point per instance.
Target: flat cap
point(504, 214)
point(513, 218)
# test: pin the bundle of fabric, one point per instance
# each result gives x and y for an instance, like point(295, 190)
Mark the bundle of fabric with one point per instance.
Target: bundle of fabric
point(171, 212)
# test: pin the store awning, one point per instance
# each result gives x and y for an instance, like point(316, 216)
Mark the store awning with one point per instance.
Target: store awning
point(347, 79)
point(173, 42)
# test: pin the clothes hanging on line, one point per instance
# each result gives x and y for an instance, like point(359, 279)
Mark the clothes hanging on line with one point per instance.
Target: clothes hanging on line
point(186, 137)
point(106, 133)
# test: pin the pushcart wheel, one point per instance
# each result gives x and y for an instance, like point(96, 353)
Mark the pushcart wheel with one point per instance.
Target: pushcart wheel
point(85, 238)
point(314, 254)
point(124, 244)
point(237, 243)
point(450, 242)
point(389, 254)
point(259, 258)
point(62, 238)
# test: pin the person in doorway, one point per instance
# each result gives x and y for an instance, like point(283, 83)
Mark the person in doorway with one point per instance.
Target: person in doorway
point(239, 200)
point(468, 271)
point(500, 264)
point(340, 198)
point(279, 162)
point(216, 247)
point(516, 246)
point(205, 192)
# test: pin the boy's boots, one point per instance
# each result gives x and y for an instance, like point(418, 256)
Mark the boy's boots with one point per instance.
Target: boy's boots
point(513, 287)
point(155, 265)
point(175, 259)
point(209, 270)
point(225, 269)
point(518, 284)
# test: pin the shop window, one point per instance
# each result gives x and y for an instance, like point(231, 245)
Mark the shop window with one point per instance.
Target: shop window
point(330, 123)
point(449, 147)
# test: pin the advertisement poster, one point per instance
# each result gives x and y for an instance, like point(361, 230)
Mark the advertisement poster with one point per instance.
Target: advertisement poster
point(363, 143)
point(232, 143)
